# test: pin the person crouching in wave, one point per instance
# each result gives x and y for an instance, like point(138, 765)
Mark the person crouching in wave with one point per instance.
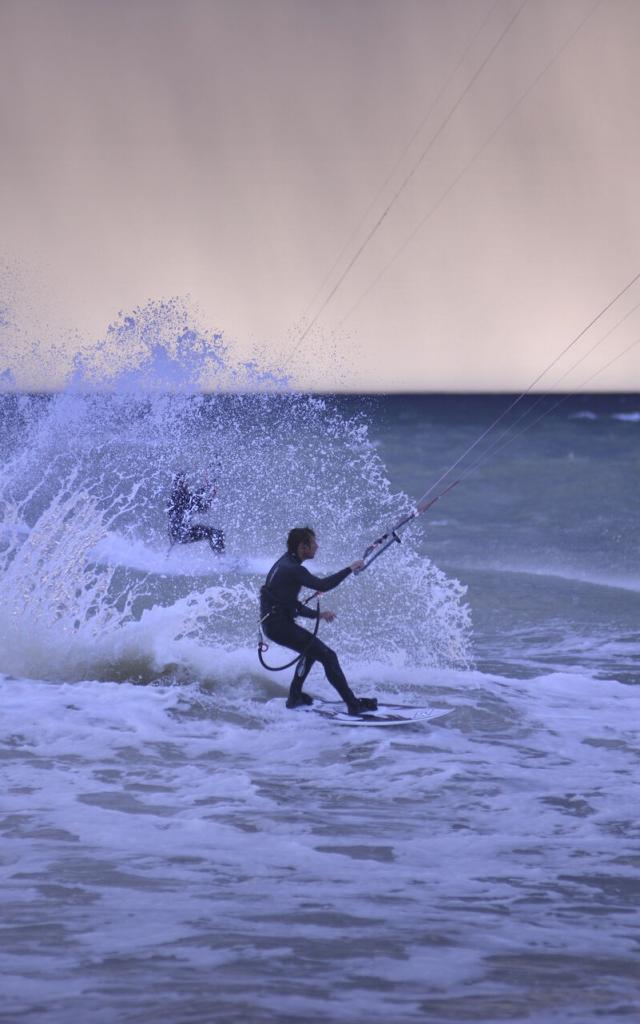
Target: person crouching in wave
point(184, 504)
point(279, 606)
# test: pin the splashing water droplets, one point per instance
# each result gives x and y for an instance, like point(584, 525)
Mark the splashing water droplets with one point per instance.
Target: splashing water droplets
point(84, 489)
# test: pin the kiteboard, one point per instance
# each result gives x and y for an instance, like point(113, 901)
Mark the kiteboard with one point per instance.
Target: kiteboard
point(385, 714)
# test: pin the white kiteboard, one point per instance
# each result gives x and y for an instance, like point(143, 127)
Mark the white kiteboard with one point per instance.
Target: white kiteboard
point(386, 714)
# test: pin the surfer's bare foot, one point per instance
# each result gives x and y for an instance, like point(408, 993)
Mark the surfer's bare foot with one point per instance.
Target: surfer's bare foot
point(362, 704)
point(299, 700)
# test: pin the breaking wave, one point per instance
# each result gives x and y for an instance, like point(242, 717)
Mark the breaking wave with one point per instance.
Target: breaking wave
point(90, 587)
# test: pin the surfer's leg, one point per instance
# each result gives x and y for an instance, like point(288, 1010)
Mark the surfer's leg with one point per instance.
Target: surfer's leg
point(296, 696)
point(188, 535)
point(199, 531)
point(293, 636)
point(329, 661)
point(319, 651)
point(290, 634)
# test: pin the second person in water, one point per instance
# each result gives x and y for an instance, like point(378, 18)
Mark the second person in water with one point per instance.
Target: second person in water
point(184, 504)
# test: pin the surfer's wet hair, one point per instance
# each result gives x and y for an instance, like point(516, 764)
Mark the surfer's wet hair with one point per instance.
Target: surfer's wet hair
point(299, 535)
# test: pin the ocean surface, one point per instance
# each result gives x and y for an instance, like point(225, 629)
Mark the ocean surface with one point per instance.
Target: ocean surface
point(177, 848)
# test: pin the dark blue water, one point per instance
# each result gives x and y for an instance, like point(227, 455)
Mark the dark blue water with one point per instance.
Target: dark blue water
point(544, 532)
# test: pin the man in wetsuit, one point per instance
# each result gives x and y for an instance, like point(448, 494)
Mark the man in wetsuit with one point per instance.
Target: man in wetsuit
point(183, 504)
point(279, 605)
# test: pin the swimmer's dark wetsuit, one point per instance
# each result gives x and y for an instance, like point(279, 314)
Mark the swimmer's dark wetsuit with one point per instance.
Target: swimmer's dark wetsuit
point(182, 504)
point(279, 606)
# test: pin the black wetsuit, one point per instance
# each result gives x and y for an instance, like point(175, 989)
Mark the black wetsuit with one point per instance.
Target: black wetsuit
point(279, 605)
point(182, 504)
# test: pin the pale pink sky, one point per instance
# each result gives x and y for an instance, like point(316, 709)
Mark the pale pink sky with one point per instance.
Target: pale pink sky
point(227, 149)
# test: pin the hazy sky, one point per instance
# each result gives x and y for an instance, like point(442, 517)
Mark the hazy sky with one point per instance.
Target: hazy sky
point(229, 149)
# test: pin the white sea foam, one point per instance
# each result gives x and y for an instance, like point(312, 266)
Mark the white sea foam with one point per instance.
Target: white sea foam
point(174, 559)
point(594, 579)
point(233, 840)
point(626, 417)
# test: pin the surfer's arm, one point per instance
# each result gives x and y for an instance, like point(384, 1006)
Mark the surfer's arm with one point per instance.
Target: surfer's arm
point(305, 612)
point(307, 579)
point(304, 578)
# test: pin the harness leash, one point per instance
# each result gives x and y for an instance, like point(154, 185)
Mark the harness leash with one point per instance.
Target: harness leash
point(263, 646)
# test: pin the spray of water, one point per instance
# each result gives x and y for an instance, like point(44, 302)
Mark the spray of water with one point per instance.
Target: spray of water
point(90, 587)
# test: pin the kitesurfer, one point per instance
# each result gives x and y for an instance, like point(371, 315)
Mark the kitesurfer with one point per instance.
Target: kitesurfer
point(184, 503)
point(279, 606)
